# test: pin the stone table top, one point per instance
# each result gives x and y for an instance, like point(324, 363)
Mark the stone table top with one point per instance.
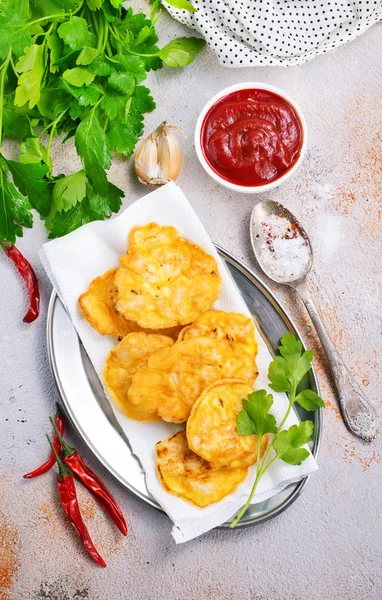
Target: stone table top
point(328, 544)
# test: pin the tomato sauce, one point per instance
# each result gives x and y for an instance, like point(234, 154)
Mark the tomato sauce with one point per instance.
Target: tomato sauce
point(251, 137)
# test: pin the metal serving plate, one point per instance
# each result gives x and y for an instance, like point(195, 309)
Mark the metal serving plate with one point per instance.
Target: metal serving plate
point(91, 414)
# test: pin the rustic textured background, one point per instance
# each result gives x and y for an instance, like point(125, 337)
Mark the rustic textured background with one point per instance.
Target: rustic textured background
point(328, 545)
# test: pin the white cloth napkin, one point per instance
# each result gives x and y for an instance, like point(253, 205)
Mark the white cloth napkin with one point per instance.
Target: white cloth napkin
point(74, 260)
point(283, 32)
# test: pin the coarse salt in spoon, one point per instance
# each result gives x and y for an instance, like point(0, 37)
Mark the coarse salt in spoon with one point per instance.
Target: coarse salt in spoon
point(284, 253)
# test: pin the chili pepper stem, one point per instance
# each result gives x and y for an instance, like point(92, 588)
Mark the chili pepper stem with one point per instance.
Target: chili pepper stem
point(66, 449)
point(48, 464)
point(59, 412)
point(63, 471)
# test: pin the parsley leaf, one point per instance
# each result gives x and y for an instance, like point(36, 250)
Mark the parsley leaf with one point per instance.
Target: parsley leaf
point(123, 137)
point(140, 36)
point(33, 151)
point(123, 108)
point(134, 24)
point(13, 30)
point(182, 5)
point(287, 444)
point(29, 178)
point(152, 63)
point(67, 60)
point(181, 52)
point(86, 96)
point(130, 64)
point(55, 46)
point(52, 102)
point(94, 4)
point(74, 32)
point(67, 221)
point(278, 375)
point(15, 125)
point(100, 67)
point(298, 363)
point(104, 206)
point(122, 82)
point(142, 101)
point(87, 56)
point(309, 400)
point(255, 417)
point(92, 146)
point(78, 76)
point(91, 208)
point(116, 3)
point(111, 13)
point(67, 192)
point(116, 106)
point(286, 371)
point(14, 211)
point(32, 67)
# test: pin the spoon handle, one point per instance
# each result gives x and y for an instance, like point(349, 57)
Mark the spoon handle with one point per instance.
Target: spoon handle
point(359, 414)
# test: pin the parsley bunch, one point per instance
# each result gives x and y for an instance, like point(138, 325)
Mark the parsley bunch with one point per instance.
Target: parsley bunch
point(73, 67)
point(285, 374)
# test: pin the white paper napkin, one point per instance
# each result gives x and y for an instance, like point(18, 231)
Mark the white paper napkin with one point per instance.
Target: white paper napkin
point(74, 260)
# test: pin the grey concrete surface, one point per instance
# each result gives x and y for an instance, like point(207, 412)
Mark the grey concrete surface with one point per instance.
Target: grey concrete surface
point(328, 545)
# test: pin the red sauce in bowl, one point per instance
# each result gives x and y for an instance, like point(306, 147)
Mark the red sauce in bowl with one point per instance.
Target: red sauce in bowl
point(251, 137)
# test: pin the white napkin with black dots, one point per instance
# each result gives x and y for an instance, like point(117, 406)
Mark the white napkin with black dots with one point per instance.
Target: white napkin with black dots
point(245, 33)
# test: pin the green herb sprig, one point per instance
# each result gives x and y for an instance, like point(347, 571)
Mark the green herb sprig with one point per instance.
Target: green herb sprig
point(182, 5)
point(74, 67)
point(285, 374)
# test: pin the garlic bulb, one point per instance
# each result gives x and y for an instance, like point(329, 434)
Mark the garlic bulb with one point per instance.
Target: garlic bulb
point(159, 157)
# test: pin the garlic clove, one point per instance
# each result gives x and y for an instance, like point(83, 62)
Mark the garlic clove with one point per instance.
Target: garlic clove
point(159, 157)
point(146, 160)
point(170, 155)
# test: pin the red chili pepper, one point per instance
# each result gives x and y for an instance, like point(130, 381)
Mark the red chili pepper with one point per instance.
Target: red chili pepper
point(68, 497)
point(92, 483)
point(59, 422)
point(30, 280)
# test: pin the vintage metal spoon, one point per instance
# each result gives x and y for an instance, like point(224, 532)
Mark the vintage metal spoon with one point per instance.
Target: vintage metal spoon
point(359, 414)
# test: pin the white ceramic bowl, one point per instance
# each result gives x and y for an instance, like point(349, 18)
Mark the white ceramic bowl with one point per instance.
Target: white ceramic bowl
point(256, 189)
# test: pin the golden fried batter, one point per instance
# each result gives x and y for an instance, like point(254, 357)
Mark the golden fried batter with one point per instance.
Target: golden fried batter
point(165, 280)
point(175, 377)
point(211, 427)
point(99, 307)
point(222, 325)
point(144, 237)
point(121, 364)
point(184, 474)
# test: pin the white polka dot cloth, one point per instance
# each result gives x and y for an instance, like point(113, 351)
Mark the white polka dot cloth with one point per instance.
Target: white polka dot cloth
point(245, 33)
